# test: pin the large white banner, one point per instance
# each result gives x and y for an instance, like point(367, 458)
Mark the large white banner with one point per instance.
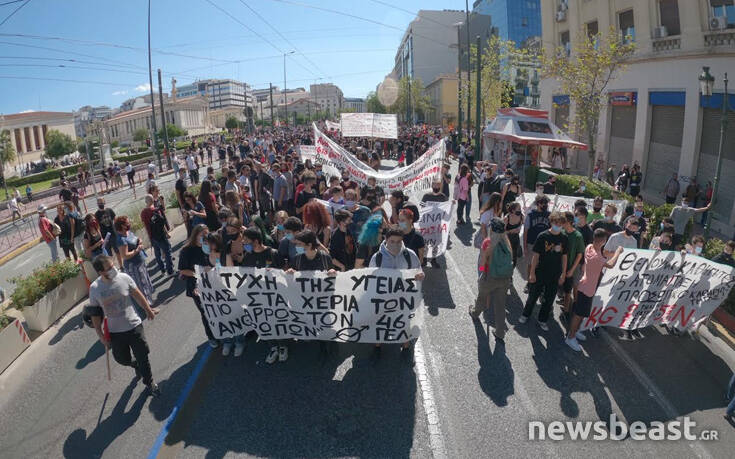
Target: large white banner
point(333, 126)
point(382, 126)
point(362, 305)
point(434, 223)
point(563, 203)
point(651, 287)
point(414, 179)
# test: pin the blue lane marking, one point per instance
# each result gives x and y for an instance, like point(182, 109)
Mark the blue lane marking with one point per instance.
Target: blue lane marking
point(179, 403)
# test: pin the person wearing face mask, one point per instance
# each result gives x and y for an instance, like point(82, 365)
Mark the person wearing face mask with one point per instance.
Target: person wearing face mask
point(511, 190)
point(547, 270)
point(411, 239)
point(664, 241)
point(638, 213)
point(287, 248)
point(725, 257)
point(278, 231)
point(625, 238)
point(342, 244)
point(580, 224)
point(106, 218)
point(436, 195)
point(596, 210)
point(196, 252)
point(346, 183)
point(580, 191)
point(133, 255)
point(111, 297)
point(695, 247)
point(513, 226)
point(681, 216)
point(393, 254)
point(608, 223)
point(537, 221)
point(550, 185)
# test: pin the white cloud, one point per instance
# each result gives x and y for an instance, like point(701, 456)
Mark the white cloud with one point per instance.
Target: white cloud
point(27, 111)
point(120, 93)
point(143, 87)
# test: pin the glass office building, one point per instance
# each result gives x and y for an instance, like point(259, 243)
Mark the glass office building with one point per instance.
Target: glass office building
point(516, 20)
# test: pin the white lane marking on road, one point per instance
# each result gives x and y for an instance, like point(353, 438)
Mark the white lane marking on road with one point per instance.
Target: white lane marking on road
point(342, 369)
point(436, 439)
point(653, 390)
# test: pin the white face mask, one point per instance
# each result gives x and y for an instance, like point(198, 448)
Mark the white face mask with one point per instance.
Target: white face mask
point(110, 274)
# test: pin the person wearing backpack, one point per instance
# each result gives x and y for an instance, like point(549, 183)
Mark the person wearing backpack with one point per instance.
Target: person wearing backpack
point(393, 254)
point(496, 273)
point(157, 227)
point(49, 232)
point(79, 227)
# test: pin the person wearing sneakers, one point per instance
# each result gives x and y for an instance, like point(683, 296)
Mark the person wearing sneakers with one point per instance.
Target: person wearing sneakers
point(575, 250)
point(496, 273)
point(111, 296)
point(548, 269)
point(594, 261)
point(537, 221)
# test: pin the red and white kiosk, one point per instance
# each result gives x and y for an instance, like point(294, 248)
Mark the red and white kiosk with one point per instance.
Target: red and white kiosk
point(517, 137)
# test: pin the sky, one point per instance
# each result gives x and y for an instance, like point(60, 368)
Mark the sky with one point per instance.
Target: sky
point(80, 52)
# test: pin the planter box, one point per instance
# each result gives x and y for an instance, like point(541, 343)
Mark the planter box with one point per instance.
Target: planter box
point(13, 341)
point(725, 319)
point(55, 303)
point(174, 217)
point(89, 271)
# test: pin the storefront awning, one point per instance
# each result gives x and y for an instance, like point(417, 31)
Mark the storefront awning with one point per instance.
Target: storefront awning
point(528, 126)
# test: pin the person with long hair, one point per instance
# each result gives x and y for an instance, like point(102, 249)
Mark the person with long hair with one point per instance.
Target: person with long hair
point(462, 191)
point(511, 190)
point(317, 219)
point(491, 209)
point(193, 210)
point(93, 240)
point(259, 224)
point(158, 200)
point(209, 201)
point(278, 231)
point(513, 225)
point(133, 255)
point(232, 201)
point(66, 236)
point(192, 254)
point(495, 275)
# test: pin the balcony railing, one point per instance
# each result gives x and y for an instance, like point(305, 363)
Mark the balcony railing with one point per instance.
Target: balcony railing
point(720, 38)
point(666, 44)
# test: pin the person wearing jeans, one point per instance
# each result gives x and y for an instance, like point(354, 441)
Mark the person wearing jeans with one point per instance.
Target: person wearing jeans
point(46, 228)
point(548, 269)
point(156, 224)
point(730, 411)
point(462, 192)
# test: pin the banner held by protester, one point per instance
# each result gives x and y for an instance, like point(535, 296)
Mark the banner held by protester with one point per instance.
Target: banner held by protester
point(434, 225)
point(362, 305)
point(650, 287)
point(378, 125)
point(562, 203)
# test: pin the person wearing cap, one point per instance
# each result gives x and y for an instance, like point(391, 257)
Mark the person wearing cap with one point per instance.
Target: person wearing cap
point(47, 233)
point(496, 272)
point(537, 221)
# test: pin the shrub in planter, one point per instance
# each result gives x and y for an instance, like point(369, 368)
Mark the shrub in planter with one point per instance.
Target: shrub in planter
point(30, 289)
point(173, 202)
point(5, 321)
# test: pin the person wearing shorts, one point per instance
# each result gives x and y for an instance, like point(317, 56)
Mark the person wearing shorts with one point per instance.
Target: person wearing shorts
point(594, 261)
point(575, 250)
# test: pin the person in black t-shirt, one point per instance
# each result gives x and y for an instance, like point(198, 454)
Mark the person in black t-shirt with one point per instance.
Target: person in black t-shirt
point(342, 244)
point(608, 223)
point(257, 255)
point(580, 223)
point(550, 186)
point(65, 194)
point(309, 257)
point(308, 193)
point(106, 217)
point(548, 269)
point(192, 254)
point(436, 194)
point(411, 239)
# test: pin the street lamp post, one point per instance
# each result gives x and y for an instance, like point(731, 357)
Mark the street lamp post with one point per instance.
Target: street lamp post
point(285, 92)
point(707, 82)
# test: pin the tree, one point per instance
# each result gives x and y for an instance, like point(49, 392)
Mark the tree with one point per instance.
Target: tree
point(173, 131)
point(82, 147)
point(595, 61)
point(418, 104)
point(231, 123)
point(7, 155)
point(140, 135)
point(59, 144)
point(373, 103)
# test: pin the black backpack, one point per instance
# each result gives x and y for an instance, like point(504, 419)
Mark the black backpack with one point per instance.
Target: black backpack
point(379, 258)
point(158, 226)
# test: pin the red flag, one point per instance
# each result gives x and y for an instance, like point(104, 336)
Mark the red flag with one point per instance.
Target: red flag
point(106, 330)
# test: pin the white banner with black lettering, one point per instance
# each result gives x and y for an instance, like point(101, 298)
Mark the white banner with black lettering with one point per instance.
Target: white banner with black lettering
point(651, 287)
point(563, 203)
point(379, 125)
point(332, 126)
point(362, 305)
point(414, 179)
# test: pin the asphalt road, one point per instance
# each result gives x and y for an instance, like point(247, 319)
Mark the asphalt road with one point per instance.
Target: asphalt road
point(465, 397)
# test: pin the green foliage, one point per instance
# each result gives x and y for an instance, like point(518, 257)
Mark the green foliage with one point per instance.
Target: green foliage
point(410, 96)
point(140, 135)
point(46, 175)
point(58, 144)
point(31, 288)
point(173, 131)
point(7, 152)
point(115, 144)
point(713, 247)
point(232, 123)
point(182, 144)
point(173, 202)
point(585, 76)
point(145, 154)
point(82, 147)
point(5, 321)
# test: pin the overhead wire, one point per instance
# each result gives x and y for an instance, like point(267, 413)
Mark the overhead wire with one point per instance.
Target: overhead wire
point(426, 18)
point(14, 11)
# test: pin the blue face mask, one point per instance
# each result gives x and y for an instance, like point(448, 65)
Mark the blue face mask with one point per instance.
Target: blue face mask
point(349, 203)
point(247, 247)
point(280, 227)
point(576, 220)
point(403, 225)
point(289, 236)
point(299, 250)
point(205, 249)
point(555, 228)
point(638, 213)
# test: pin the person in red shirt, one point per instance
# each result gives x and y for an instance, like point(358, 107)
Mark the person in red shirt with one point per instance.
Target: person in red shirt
point(47, 233)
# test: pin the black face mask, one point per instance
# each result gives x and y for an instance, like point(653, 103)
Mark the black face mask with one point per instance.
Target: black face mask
point(597, 209)
point(101, 206)
point(544, 208)
point(629, 232)
point(436, 190)
point(665, 246)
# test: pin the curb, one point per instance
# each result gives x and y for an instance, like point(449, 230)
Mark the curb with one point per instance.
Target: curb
point(720, 331)
point(27, 246)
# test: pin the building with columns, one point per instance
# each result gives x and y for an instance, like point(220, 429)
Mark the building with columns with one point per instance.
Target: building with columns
point(655, 114)
point(28, 132)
